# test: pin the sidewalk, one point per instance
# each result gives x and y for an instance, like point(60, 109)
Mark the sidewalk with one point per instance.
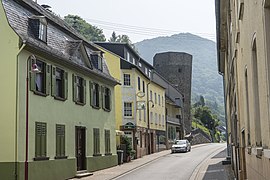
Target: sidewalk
point(201, 172)
point(212, 168)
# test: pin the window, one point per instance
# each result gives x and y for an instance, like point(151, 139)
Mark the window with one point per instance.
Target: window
point(158, 99)
point(38, 28)
point(140, 64)
point(106, 98)
point(151, 117)
point(127, 109)
point(60, 141)
point(94, 93)
point(126, 79)
point(139, 83)
point(146, 71)
point(59, 83)
point(40, 82)
point(107, 143)
point(97, 61)
point(133, 60)
point(159, 119)
point(96, 142)
point(143, 87)
point(144, 115)
point(156, 118)
point(163, 120)
point(140, 114)
point(151, 95)
point(79, 90)
point(41, 141)
point(155, 98)
point(162, 102)
point(149, 73)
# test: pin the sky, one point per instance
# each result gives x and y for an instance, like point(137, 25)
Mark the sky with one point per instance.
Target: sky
point(142, 19)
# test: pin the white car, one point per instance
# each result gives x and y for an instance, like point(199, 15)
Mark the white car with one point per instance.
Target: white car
point(181, 146)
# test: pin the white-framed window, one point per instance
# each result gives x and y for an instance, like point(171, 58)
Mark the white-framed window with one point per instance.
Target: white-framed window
point(126, 79)
point(133, 61)
point(127, 109)
point(149, 75)
point(146, 71)
point(140, 64)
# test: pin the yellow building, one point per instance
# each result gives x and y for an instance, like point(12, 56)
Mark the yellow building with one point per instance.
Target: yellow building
point(137, 107)
point(243, 42)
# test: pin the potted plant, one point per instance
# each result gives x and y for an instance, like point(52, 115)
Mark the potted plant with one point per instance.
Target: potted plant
point(132, 154)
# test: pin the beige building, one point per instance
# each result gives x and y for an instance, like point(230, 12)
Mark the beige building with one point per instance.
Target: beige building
point(243, 41)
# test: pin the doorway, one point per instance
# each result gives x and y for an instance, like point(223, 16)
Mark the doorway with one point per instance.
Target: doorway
point(80, 148)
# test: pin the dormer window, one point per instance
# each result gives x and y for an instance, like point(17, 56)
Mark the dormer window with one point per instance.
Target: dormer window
point(38, 27)
point(97, 61)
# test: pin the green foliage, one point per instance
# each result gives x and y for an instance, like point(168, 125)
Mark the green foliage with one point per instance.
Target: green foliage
point(127, 141)
point(198, 125)
point(91, 33)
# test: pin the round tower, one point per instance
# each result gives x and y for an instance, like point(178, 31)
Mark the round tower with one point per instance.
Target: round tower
point(176, 67)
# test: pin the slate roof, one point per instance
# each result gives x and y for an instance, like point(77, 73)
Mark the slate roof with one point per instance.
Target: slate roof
point(63, 42)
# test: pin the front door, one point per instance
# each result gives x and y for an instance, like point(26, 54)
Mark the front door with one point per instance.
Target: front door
point(80, 148)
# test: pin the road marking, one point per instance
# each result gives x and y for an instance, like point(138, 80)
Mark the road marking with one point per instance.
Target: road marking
point(212, 171)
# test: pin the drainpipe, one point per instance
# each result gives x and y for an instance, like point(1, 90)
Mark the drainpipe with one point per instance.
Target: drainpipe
point(148, 122)
point(16, 116)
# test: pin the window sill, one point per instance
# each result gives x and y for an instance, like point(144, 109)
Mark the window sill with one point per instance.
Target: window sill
point(60, 157)
point(41, 158)
point(128, 117)
point(95, 107)
point(59, 98)
point(40, 93)
point(97, 154)
point(107, 110)
point(108, 154)
point(79, 103)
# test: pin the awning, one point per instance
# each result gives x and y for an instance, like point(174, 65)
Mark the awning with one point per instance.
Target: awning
point(119, 133)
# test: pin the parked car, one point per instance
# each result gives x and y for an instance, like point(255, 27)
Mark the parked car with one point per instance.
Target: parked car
point(181, 146)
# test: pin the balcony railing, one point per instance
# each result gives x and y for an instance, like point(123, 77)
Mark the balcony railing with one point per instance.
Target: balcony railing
point(173, 120)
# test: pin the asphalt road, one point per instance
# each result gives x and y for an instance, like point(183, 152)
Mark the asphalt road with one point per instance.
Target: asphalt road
point(178, 166)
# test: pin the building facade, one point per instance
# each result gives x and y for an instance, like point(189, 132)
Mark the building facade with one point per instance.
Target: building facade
point(59, 118)
point(176, 67)
point(243, 61)
point(143, 112)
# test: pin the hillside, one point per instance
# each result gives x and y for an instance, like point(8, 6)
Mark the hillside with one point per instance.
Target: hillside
point(205, 78)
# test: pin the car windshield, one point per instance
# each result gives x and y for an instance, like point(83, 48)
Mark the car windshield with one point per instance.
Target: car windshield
point(180, 142)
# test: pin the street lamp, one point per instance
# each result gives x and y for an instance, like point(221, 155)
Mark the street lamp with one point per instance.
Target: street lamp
point(34, 69)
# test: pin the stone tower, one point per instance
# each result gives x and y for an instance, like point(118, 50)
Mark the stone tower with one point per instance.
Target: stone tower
point(176, 67)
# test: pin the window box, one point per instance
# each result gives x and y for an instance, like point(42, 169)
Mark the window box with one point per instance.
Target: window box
point(60, 157)
point(41, 158)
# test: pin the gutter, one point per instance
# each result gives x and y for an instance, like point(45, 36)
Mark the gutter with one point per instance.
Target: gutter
point(16, 118)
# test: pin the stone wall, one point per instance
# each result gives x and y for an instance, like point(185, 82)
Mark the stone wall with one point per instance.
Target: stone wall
point(176, 67)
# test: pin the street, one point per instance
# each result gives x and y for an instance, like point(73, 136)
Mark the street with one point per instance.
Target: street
point(174, 166)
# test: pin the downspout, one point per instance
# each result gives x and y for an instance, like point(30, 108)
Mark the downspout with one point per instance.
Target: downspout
point(148, 122)
point(16, 118)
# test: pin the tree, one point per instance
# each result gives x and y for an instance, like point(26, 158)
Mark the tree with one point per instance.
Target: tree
point(113, 38)
point(122, 39)
point(91, 33)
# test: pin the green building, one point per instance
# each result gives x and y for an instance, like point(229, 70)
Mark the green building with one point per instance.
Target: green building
point(57, 115)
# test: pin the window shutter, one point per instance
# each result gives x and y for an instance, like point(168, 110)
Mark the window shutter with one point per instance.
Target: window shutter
point(102, 97)
point(43, 140)
point(48, 79)
point(32, 76)
point(74, 81)
point(110, 99)
point(53, 81)
point(84, 91)
point(38, 140)
point(98, 142)
point(65, 85)
point(91, 93)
